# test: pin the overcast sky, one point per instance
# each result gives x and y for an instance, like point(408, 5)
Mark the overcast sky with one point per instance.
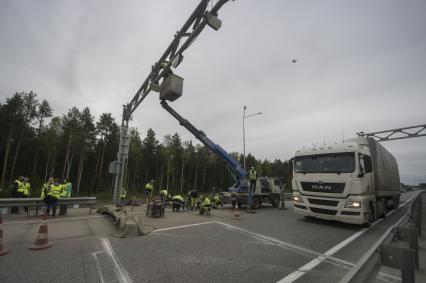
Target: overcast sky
point(361, 66)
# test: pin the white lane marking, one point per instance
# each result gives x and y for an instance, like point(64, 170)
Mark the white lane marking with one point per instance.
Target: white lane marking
point(312, 264)
point(270, 240)
point(183, 226)
point(120, 272)
point(98, 266)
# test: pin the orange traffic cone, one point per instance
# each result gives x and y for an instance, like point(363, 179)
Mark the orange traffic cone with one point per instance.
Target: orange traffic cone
point(236, 213)
point(42, 241)
point(3, 251)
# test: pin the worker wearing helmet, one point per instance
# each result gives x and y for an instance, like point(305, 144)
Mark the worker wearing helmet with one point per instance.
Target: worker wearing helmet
point(53, 195)
point(253, 178)
point(149, 188)
point(24, 190)
point(192, 195)
point(163, 195)
point(205, 205)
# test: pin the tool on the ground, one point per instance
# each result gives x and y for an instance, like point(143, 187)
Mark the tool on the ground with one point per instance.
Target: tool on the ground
point(3, 250)
point(42, 241)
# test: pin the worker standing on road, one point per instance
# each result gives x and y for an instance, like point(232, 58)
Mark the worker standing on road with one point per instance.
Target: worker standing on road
point(45, 189)
point(205, 205)
point(14, 192)
point(163, 195)
point(253, 180)
point(24, 190)
point(53, 195)
point(66, 193)
point(123, 194)
point(177, 203)
point(149, 188)
point(193, 195)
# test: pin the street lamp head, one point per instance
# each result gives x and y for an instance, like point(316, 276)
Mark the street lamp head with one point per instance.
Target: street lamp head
point(245, 107)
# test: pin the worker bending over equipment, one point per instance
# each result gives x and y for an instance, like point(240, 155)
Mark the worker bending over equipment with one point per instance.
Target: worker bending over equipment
point(177, 203)
point(149, 188)
point(205, 205)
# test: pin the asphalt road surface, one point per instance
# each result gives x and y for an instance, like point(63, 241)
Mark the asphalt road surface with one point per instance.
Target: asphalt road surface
point(269, 246)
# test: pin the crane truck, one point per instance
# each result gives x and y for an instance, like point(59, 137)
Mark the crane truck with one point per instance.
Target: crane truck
point(267, 190)
point(353, 182)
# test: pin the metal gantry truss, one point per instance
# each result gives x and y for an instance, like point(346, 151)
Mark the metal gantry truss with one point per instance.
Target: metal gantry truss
point(397, 134)
point(171, 58)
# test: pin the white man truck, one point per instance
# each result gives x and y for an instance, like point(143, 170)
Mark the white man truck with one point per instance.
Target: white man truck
point(352, 182)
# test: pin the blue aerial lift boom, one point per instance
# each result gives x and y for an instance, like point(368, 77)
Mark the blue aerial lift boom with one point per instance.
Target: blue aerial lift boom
point(237, 171)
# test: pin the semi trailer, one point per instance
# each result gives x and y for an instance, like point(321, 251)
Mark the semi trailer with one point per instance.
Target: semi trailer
point(355, 181)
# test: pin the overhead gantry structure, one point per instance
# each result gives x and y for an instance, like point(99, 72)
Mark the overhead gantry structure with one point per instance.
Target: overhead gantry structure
point(397, 134)
point(161, 79)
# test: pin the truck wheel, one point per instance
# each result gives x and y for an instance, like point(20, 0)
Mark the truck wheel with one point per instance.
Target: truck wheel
point(275, 202)
point(371, 217)
point(256, 203)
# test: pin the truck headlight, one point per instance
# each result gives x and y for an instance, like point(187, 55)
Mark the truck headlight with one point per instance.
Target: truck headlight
point(297, 199)
point(353, 204)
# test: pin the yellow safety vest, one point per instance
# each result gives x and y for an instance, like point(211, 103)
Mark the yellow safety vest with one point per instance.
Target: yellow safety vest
point(24, 188)
point(149, 187)
point(163, 193)
point(252, 175)
point(178, 198)
point(44, 190)
point(206, 202)
point(55, 191)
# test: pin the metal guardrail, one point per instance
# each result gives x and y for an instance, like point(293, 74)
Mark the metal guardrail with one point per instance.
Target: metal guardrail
point(397, 248)
point(38, 202)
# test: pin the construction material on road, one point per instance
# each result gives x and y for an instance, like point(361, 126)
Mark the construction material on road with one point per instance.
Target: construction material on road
point(42, 240)
point(353, 182)
point(3, 250)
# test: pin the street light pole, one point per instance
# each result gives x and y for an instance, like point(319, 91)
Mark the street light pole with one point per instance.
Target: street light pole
point(244, 134)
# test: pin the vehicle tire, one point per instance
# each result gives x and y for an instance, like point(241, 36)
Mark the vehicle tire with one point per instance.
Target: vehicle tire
point(275, 202)
point(371, 217)
point(256, 203)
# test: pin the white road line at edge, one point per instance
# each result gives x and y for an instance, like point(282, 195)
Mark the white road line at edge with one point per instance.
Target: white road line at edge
point(98, 266)
point(183, 226)
point(313, 263)
point(120, 272)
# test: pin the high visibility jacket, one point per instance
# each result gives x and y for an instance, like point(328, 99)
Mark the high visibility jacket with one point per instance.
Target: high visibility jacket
point(163, 193)
point(205, 202)
point(178, 198)
point(55, 191)
point(216, 198)
point(252, 175)
point(24, 188)
point(123, 193)
point(45, 190)
point(66, 190)
point(149, 187)
point(16, 184)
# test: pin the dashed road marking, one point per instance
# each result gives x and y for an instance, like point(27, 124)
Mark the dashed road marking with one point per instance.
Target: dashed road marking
point(120, 272)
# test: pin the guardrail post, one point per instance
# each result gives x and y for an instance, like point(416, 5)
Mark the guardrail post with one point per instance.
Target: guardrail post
point(409, 234)
point(400, 258)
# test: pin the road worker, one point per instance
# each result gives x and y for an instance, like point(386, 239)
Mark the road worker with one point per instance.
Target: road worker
point(45, 189)
point(53, 196)
point(66, 193)
point(252, 178)
point(193, 195)
point(216, 201)
point(149, 188)
point(14, 192)
point(123, 194)
point(24, 190)
point(205, 205)
point(177, 203)
point(163, 195)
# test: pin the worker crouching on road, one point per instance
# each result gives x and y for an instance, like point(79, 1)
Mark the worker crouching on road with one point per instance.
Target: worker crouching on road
point(66, 193)
point(216, 201)
point(177, 203)
point(24, 190)
point(149, 188)
point(52, 197)
point(205, 205)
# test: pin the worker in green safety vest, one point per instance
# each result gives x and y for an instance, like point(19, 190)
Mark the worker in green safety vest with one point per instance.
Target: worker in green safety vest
point(149, 188)
point(24, 190)
point(177, 203)
point(66, 193)
point(163, 195)
point(205, 205)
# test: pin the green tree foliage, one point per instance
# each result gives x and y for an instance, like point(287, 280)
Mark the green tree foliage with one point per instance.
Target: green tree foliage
point(79, 147)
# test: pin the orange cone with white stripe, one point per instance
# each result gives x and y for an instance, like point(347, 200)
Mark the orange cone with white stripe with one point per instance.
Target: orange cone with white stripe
point(42, 241)
point(3, 251)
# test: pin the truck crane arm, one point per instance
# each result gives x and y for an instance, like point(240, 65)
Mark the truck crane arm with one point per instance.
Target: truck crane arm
point(237, 171)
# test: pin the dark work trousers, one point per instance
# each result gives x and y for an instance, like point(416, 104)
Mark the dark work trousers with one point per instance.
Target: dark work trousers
point(51, 203)
point(21, 195)
point(252, 186)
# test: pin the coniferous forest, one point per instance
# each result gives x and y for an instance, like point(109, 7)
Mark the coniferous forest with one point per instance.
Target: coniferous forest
point(79, 146)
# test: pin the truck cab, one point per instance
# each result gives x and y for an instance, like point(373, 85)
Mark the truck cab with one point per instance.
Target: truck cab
point(337, 182)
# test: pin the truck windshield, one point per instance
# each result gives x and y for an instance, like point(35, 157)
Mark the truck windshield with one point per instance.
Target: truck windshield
point(325, 163)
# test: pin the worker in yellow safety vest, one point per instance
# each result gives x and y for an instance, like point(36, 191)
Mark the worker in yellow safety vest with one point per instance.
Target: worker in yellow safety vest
point(253, 179)
point(177, 203)
point(14, 192)
point(149, 188)
point(205, 205)
point(164, 194)
point(53, 196)
point(24, 190)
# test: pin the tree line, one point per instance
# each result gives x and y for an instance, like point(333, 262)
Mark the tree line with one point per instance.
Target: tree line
point(79, 147)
